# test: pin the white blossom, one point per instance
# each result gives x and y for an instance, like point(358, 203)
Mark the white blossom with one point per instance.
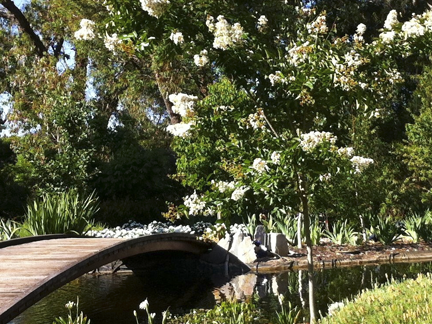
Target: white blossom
point(257, 120)
point(223, 186)
point(144, 305)
point(360, 163)
point(298, 54)
point(334, 307)
point(325, 177)
point(413, 28)
point(69, 305)
point(177, 38)
point(86, 32)
point(387, 37)
point(260, 165)
point(239, 193)
point(111, 42)
point(361, 28)
point(194, 203)
point(391, 20)
point(262, 23)
point(154, 7)
point(201, 59)
point(346, 151)
point(225, 35)
point(275, 157)
point(276, 78)
point(318, 26)
point(311, 140)
point(183, 104)
point(179, 129)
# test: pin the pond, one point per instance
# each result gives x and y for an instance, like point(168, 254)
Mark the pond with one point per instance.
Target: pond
point(113, 298)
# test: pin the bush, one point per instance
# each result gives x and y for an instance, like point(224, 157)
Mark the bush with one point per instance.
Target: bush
point(63, 213)
point(8, 229)
point(397, 303)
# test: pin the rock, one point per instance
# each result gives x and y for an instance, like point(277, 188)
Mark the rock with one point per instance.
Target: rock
point(278, 243)
point(260, 235)
point(237, 239)
point(246, 252)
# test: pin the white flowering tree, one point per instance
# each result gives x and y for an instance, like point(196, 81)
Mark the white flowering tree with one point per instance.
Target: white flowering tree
point(291, 107)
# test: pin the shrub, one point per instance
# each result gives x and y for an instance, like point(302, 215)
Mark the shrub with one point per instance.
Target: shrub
point(386, 230)
point(419, 227)
point(66, 213)
point(342, 233)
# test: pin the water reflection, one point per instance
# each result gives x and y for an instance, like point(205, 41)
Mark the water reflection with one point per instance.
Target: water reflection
point(113, 298)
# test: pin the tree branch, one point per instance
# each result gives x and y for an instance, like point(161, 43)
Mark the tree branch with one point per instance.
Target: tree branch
point(25, 25)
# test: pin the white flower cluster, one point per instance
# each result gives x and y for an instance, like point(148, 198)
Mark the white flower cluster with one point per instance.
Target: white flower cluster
point(262, 23)
point(318, 26)
point(260, 165)
point(360, 163)
point(299, 54)
point(394, 76)
point(183, 103)
point(391, 20)
point(344, 71)
point(413, 28)
point(154, 7)
point(277, 77)
point(201, 59)
point(194, 203)
point(387, 37)
point(177, 38)
point(334, 307)
point(179, 129)
point(325, 177)
point(223, 186)
point(358, 36)
point(257, 120)
point(111, 42)
point(239, 193)
point(86, 32)
point(225, 35)
point(346, 151)
point(310, 141)
point(275, 157)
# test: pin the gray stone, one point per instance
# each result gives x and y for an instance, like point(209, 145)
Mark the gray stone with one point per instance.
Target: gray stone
point(278, 243)
point(260, 235)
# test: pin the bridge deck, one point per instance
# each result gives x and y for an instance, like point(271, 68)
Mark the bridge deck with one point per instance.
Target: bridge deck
point(25, 267)
point(31, 270)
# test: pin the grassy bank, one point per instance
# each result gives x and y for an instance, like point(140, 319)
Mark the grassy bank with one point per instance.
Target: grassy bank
point(405, 302)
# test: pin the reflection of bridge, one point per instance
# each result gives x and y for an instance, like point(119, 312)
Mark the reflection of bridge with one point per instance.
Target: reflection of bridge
point(32, 268)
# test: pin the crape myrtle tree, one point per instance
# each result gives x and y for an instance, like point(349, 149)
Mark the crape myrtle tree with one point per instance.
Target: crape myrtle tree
point(64, 90)
point(291, 109)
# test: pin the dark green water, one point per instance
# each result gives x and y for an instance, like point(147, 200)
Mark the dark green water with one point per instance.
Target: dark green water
point(113, 298)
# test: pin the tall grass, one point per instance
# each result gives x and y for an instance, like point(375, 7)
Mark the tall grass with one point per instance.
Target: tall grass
point(64, 213)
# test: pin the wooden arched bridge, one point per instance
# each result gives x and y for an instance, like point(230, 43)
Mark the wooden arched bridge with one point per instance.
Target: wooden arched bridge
point(32, 268)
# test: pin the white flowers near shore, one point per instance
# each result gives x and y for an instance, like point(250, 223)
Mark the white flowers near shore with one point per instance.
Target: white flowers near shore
point(134, 229)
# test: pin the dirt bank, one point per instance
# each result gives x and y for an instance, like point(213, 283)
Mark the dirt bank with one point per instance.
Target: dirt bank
point(327, 256)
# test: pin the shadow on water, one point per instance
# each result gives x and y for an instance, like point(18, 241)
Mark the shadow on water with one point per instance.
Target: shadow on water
point(113, 298)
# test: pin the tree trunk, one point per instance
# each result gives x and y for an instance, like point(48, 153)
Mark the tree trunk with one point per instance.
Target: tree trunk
point(306, 224)
point(299, 228)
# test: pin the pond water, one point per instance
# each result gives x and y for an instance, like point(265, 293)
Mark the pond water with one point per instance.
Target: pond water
point(113, 298)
